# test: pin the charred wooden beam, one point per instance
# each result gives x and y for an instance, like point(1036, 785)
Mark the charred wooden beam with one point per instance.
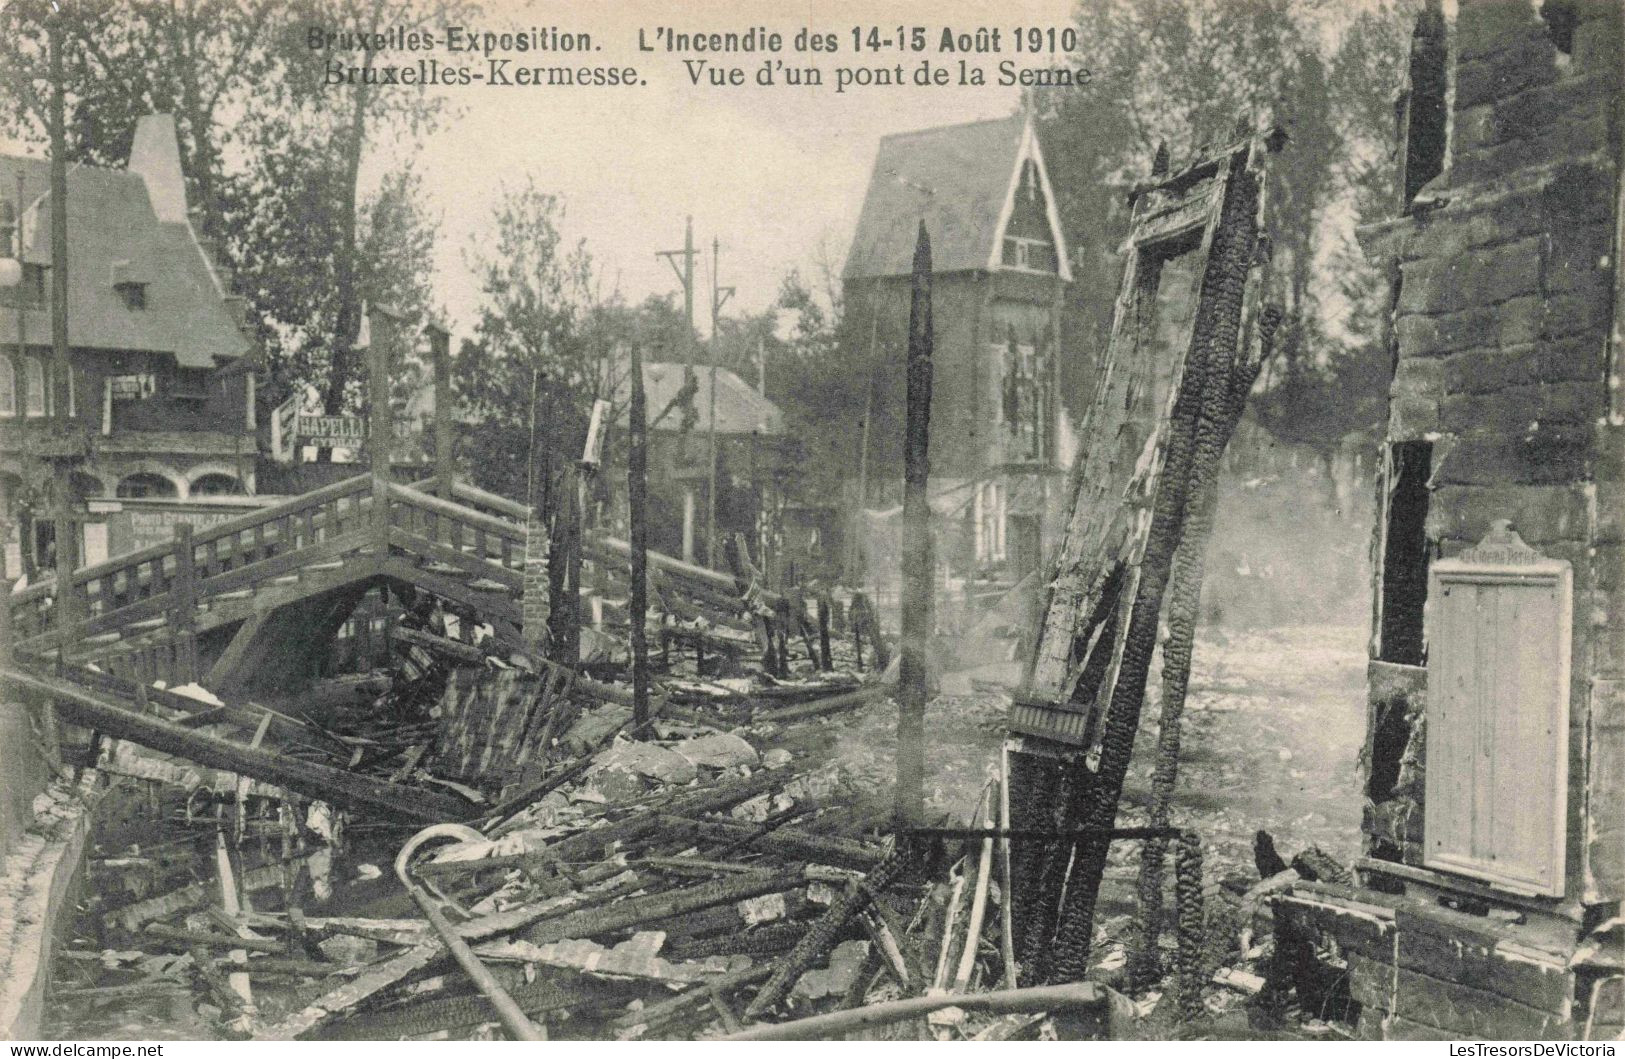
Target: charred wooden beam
point(461, 652)
point(636, 911)
point(836, 1023)
point(833, 704)
point(679, 571)
point(341, 788)
point(820, 849)
point(824, 934)
point(637, 471)
point(917, 603)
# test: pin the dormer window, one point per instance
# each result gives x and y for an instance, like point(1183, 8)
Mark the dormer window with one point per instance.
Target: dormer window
point(133, 293)
point(1029, 240)
point(1032, 255)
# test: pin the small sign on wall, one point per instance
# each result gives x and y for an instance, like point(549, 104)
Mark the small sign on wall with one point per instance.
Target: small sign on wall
point(290, 430)
point(135, 387)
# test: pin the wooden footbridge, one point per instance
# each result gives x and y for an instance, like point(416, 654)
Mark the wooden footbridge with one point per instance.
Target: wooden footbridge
point(250, 608)
point(273, 587)
point(245, 606)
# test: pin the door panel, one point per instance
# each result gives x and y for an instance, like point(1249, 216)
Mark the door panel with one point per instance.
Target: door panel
point(1497, 718)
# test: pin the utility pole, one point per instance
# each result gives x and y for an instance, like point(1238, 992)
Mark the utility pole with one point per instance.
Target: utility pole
point(918, 616)
point(58, 381)
point(719, 296)
point(25, 560)
point(685, 276)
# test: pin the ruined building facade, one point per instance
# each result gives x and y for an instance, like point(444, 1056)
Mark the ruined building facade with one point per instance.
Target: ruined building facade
point(1494, 767)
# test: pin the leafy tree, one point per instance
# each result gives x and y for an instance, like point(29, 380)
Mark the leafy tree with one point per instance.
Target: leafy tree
point(1181, 73)
point(299, 108)
point(198, 60)
point(547, 344)
point(272, 156)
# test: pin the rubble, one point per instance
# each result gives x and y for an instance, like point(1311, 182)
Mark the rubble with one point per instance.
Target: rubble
point(692, 876)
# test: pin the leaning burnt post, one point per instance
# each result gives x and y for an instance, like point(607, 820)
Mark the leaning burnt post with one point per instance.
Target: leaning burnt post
point(1195, 445)
point(1183, 609)
point(917, 609)
point(637, 465)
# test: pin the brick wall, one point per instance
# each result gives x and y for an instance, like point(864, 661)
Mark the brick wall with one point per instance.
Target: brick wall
point(1505, 304)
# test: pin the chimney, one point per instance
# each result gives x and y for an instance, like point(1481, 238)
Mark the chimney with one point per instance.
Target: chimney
point(156, 156)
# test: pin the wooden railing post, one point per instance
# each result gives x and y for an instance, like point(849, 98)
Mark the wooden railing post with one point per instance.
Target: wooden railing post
point(380, 427)
point(183, 605)
point(445, 466)
point(636, 485)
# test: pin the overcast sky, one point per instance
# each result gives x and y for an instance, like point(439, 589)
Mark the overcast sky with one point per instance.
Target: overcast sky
point(774, 173)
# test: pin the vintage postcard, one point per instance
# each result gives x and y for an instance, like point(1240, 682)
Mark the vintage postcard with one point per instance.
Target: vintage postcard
point(872, 520)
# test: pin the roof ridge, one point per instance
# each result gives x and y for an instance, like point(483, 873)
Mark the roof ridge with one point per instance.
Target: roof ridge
point(909, 133)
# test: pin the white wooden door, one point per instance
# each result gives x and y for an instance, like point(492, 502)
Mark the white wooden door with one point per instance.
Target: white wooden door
point(1499, 628)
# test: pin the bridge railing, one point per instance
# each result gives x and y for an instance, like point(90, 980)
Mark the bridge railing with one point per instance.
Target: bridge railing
point(458, 535)
point(480, 533)
point(173, 577)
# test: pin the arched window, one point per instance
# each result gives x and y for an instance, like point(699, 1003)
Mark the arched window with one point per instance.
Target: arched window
point(8, 387)
point(142, 485)
point(217, 485)
point(36, 387)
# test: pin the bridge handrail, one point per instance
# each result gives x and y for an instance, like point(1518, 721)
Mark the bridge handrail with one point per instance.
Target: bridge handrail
point(357, 484)
point(260, 516)
point(164, 578)
point(148, 573)
point(475, 495)
point(457, 512)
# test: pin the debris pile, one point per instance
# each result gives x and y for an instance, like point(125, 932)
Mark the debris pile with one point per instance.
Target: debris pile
point(701, 875)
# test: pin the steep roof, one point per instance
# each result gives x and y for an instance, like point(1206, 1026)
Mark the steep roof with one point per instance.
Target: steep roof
point(960, 179)
point(114, 235)
point(740, 409)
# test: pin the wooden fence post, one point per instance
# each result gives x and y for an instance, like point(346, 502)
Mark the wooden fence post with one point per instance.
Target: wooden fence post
point(380, 427)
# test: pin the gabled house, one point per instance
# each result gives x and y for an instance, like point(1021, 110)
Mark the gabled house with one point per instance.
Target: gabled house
point(161, 391)
point(749, 428)
point(1000, 270)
